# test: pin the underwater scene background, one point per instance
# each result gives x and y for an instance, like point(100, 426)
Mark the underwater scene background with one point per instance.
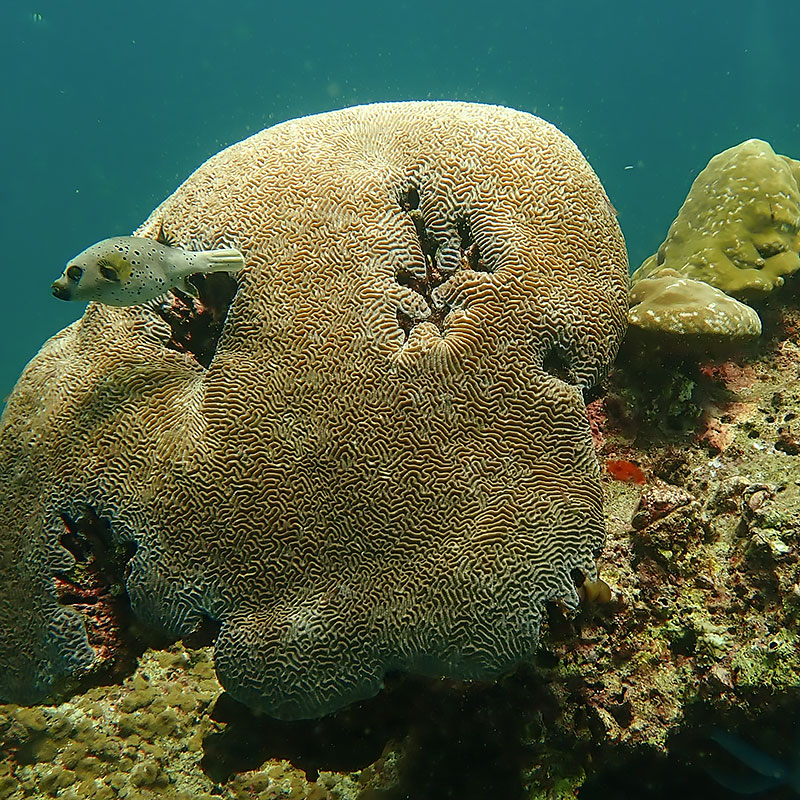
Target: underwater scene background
point(107, 108)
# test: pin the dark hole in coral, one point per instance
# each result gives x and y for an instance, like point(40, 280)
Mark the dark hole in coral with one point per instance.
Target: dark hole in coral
point(409, 198)
point(683, 642)
point(95, 588)
point(787, 442)
point(442, 260)
point(578, 578)
point(197, 322)
point(558, 623)
point(471, 257)
point(405, 322)
point(556, 362)
point(592, 393)
point(204, 634)
point(74, 541)
point(769, 249)
point(622, 713)
point(464, 233)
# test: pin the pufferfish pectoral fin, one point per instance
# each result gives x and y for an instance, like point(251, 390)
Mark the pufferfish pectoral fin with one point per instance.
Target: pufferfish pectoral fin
point(164, 238)
point(187, 287)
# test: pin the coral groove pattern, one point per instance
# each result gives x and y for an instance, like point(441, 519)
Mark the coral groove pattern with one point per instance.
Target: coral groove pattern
point(384, 464)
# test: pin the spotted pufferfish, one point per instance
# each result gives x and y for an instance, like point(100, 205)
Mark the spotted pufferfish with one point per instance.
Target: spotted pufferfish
point(128, 270)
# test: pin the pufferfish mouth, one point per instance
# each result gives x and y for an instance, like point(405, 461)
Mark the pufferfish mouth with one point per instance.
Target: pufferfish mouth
point(61, 291)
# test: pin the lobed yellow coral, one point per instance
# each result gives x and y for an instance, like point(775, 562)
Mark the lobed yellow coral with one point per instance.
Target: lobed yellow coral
point(738, 229)
point(686, 313)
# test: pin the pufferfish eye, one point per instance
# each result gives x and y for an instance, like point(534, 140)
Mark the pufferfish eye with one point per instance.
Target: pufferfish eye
point(109, 273)
point(74, 273)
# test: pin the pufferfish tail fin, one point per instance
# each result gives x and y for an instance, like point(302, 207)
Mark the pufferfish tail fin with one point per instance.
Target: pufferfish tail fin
point(227, 260)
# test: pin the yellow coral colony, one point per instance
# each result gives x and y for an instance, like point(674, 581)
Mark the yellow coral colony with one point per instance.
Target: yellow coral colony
point(738, 228)
point(671, 305)
point(736, 236)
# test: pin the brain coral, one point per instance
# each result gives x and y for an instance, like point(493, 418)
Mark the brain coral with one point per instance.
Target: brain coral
point(739, 228)
point(383, 463)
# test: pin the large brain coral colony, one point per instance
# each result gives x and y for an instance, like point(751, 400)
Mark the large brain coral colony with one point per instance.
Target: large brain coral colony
point(386, 461)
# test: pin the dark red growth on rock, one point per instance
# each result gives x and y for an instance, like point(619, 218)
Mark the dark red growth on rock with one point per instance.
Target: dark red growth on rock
point(597, 418)
point(93, 588)
point(625, 471)
point(196, 322)
point(732, 376)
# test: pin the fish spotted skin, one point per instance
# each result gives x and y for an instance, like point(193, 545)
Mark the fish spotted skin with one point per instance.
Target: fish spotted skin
point(128, 270)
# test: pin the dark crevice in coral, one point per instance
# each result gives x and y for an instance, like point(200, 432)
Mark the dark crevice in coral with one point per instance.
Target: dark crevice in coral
point(204, 635)
point(769, 250)
point(95, 588)
point(443, 258)
point(556, 362)
point(683, 642)
point(578, 578)
point(471, 257)
point(409, 199)
point(197, 322)
point(405, 322)
point(559, 622)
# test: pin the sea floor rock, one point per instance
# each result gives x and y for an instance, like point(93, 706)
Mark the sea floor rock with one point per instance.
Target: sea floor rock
point(623, 700)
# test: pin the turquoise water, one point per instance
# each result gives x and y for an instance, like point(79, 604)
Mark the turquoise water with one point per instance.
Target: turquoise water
point(107, 107)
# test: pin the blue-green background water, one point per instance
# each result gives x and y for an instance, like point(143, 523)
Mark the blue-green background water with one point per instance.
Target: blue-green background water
point(107, 107)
